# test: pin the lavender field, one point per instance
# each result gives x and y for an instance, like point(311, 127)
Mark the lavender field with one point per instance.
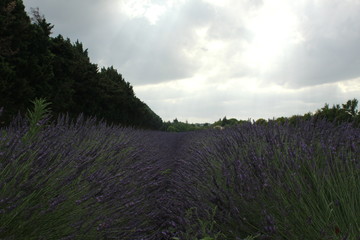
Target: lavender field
point(87, 180)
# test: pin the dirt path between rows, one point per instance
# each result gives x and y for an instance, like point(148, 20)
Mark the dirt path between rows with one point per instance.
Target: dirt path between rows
point(169, 204)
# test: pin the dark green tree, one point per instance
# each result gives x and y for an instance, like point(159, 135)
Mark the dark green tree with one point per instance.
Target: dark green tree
point(64, 67)
point(35, 65)
point(261, 121)
point(15, 30)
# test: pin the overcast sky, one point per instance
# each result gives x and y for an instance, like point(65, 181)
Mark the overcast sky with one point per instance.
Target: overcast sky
point(201, 60)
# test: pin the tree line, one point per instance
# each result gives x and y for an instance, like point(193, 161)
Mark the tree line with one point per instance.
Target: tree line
point(339, 113)
point(33, 64)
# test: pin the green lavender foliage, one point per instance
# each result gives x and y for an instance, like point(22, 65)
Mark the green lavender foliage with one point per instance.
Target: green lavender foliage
point(201, 227)
point(37, 117)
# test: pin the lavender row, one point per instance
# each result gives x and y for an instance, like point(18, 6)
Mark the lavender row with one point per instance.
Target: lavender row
point(81, 180)
point(275, 181)
point(87, 180)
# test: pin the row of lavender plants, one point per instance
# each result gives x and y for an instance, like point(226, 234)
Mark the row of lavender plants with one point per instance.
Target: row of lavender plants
point(83, 179)
point(298, 181)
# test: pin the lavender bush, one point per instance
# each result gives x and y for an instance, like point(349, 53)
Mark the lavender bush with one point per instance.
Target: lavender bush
point(85, 179)
point(282, 181)
point(78, 180)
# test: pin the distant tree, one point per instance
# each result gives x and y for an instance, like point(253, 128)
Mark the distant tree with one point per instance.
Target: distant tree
point(171, 129)
point(281, 120)
point(295, 120)
point(178, 126)
point(345, 113)
point(224, 122)
point(308, 116)
point(243, 121)
point(356, 120)
point(261, 121)
point(350, 107)
point(217, 123)
point(232, 121)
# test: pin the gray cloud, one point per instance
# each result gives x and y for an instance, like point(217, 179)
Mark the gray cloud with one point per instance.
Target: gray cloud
point(91, 22)
point(154, 57)
point(74, 19)
point(242, 104)
point(154, 53)
point(144, 53)
point(330, 51)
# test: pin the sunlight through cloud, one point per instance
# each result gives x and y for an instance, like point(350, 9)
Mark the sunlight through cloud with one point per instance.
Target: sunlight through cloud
point(274, 29)
point(144, 8)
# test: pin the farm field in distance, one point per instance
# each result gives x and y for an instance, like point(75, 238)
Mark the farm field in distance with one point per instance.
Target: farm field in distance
point(84, 179)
